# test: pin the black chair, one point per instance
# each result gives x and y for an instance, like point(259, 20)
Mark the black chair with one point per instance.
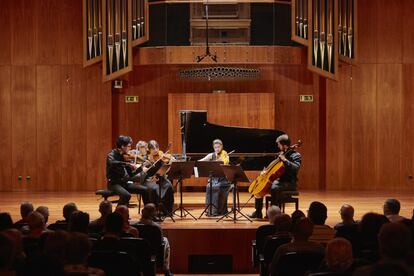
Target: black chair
point(257, 245)
point(153, 235)
point(114, 263)
point(269, 248)
point(297, 263)
point(285, 197)
point(140, 250)
point(58, 226)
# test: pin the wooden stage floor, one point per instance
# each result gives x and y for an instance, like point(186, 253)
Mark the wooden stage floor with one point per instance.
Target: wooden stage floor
point(363, 202)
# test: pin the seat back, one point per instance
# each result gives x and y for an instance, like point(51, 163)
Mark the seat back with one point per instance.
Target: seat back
point(153, 235)
point(261, 233)
point(113, 263)
point(297, 263)
point(271, 245)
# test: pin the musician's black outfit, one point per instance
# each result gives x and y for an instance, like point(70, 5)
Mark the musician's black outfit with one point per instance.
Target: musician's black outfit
point(122, 180)
point(220, 192)
point(287, 182)
point(167, 193)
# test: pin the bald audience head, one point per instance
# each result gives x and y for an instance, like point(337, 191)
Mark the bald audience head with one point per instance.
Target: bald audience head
point(272, 212)
point(347, 213)
point(303, 229)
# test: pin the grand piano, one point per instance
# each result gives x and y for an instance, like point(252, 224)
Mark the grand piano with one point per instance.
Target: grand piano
point(254, 148)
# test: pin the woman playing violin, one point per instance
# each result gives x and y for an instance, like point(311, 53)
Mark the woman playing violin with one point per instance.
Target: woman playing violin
point(162, 183)
point(287, 181)
point(219, 185)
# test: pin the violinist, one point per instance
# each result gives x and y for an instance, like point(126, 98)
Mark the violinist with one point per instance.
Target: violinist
point(160, 182)
point(142, 151)
point(219, 185)
point(287, 181)
point(123, 175)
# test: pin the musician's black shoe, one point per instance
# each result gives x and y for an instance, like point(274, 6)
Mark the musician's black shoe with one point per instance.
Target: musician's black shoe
point(256, 214)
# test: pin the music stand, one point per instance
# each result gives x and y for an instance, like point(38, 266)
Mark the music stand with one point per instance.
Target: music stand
point(181, 170)
point(209, 169)
point(160, 172)
point(234, 174)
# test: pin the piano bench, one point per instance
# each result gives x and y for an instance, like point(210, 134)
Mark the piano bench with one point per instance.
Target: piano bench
point(285, 197)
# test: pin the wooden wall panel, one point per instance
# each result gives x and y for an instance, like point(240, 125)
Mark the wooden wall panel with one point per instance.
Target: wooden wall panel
point(367, 31)
point(49, 128)
point(364, 125)
point(24, 132)
point(5, 32)
point(339, 130)
point(407, 134)
point(98, 127)
point(70, 31)
point(407, 33)
point(23, 40)
point(48, 48)
point(389, 31)
point(389, 130)
point(5, 126)
point(74, 139)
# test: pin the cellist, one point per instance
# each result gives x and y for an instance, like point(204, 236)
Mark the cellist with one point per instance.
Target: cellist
point(287, 181)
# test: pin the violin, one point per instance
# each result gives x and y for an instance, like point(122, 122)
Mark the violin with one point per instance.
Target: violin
point(132, 157)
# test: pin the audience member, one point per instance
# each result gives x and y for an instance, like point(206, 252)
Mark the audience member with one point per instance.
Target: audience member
point(394, 244)
point(392, 210)
point(338, 256)
point(296, 216)
point(322, 233)
point(44, 211)
point(79, 222)
point(36, 223)
point(302, 231)
point(113, 225)
point(147, 217)
point(282, 224)
point(348, 228)
point(127, 228)
point(347, 216)
point(6, 255)
point(6, 221)
point(271, 212)
point(97, 226)
point(369, 227)
point(25, 209)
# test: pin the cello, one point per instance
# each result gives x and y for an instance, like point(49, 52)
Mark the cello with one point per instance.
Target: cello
point(260, 187)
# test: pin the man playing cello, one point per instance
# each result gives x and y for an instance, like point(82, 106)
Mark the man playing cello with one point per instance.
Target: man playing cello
point(287, 181)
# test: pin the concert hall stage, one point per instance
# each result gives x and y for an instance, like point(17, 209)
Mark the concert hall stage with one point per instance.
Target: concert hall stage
point(205, 241)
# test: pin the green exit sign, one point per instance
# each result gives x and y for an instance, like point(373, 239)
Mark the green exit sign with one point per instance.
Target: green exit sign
point(131, 99)
point(306, 98)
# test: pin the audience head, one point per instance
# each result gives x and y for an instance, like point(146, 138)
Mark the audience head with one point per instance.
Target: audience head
point(44, 211)
point(370, 226)
point(303, 229)
point(36, 221)
point(68, 209)
point(317, 213)
point(16, 238)
point(296, 216)
point(114, 224)
point(78, 248)
point(124, 212)
point(282, 222)
point(149, 211)
point(338, 254)
point(79, 222)
point(55, 245)
point(6, 252)
point(25, 209)
point(272, 212)
point(105, 208)
point(391, 207)
point(394, 240)
point(6, 221)
point(347, 213)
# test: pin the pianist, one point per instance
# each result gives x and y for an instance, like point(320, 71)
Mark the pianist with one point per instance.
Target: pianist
point(286, 182)
point(219, 185)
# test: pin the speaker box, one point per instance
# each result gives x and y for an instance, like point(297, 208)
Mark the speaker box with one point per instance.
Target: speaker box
point(210, 263)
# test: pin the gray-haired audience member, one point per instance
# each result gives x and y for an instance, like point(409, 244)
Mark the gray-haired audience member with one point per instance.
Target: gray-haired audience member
point(392, 210)
point(44, 211)
point(272, 212)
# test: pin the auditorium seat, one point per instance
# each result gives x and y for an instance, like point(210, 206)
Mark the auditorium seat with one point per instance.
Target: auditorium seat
point(269, 248)
point(257, 245)
point(153, 235)
point(297, 263)
point(114, 263)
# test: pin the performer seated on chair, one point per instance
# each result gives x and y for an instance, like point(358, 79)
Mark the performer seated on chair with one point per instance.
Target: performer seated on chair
point(123, 176)
point(158, 182)
point(286, 182)
point(219, 185)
